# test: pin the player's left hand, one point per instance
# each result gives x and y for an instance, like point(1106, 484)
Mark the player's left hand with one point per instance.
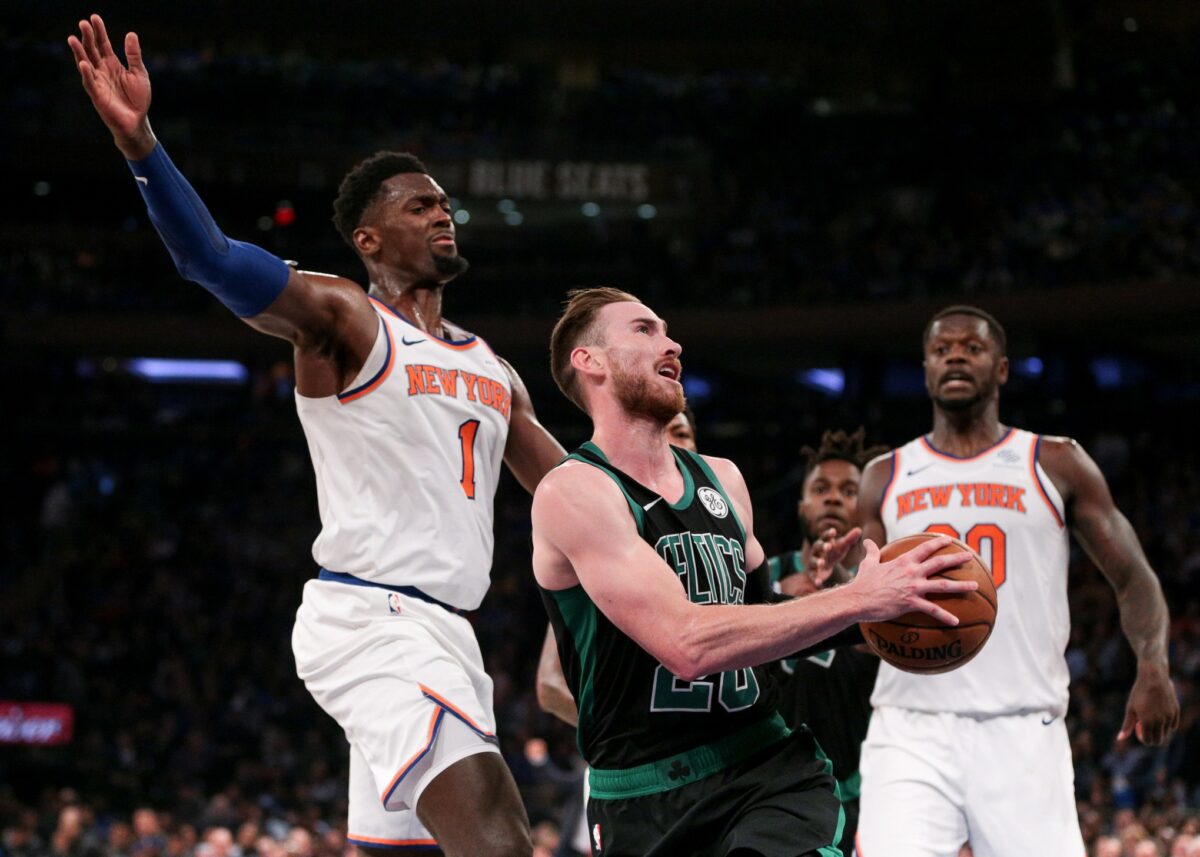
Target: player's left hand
point(829, 550)
point(1152, 712)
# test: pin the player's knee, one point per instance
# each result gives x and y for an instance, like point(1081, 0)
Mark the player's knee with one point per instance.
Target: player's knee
point(501, 837)
point(510, 840)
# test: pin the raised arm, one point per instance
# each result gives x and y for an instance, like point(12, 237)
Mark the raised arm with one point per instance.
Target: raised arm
point(530, 451)
point(322, 315)
point(1109, 539)
point(583, 533)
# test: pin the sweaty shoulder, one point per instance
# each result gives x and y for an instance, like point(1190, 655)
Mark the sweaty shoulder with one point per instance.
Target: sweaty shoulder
point(574, 503)
point(875, 478)
point(878, 471)
point(727, 472)
point(335, 288)
point(1065, 462)
point(571, 483)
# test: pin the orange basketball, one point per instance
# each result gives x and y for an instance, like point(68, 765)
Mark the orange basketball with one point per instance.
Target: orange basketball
point(916, 642)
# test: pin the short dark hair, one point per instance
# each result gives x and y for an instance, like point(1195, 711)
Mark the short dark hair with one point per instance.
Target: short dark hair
point(574, 328)
point(361, 185)
point(838, 445)
point(995, 328)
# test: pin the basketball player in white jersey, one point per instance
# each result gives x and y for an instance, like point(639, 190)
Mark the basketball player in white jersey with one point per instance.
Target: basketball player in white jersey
point(407, 418)
point(981, 752)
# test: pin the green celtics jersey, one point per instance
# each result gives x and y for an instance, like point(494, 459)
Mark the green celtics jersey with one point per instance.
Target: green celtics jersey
point(632, 710)
point(830, 692)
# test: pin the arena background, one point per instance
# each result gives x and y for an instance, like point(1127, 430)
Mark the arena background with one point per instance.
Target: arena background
point(795, 187)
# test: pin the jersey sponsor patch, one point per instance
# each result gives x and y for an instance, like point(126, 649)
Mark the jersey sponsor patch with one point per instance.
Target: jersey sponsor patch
point(714, 502)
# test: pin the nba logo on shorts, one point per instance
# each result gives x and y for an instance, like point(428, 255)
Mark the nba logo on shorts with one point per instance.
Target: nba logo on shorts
point(394, 604)
point(596, 837)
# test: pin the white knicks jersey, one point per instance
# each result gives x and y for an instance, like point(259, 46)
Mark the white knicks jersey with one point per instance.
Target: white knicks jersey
point(1002, 504)
point(407, 461)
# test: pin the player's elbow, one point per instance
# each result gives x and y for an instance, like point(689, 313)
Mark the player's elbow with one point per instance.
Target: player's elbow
point(687, 654)
point(547, 694)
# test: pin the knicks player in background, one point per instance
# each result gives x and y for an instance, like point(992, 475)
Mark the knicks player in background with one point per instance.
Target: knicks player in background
point(828, 691)
point(981, 752)
point(407, 418)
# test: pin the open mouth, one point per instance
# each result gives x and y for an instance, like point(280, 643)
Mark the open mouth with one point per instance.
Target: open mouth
point(956, 377)
point(670, 370)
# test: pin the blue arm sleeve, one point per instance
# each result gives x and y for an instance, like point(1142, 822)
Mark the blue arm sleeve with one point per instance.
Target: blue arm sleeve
point(245, 278)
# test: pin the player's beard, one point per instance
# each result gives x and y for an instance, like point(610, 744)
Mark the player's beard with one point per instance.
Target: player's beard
point(958, 404)
point(450, 265)
point(641, 397)
point(813, 530)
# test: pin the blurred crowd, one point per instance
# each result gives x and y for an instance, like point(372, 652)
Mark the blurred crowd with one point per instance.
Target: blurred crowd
point(158, 553)
point(1100, 184)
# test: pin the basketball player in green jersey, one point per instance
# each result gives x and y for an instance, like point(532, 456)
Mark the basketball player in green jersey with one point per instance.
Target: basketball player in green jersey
point(828, 691)
point(642, 553)
point(553, 695)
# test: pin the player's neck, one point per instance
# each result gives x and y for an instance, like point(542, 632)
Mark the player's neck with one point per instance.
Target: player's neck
point(638, 446)
point(420, 303)
point(967, 432)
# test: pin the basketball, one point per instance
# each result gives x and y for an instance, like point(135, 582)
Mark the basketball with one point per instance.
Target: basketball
point(918, 643)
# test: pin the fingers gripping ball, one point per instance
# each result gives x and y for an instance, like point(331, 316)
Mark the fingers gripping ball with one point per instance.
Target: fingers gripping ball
point(916, 642)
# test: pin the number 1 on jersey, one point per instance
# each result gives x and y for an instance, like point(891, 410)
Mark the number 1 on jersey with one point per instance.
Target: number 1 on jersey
point(466, 434)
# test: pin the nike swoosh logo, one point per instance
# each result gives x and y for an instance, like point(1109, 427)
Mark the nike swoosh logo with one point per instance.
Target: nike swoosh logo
point(916, 470)
point(141, 179)
point(414, 342)
point(646, 508)
point(1048, 721)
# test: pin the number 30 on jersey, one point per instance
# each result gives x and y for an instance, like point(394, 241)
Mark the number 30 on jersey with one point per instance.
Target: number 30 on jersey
point(987, 540)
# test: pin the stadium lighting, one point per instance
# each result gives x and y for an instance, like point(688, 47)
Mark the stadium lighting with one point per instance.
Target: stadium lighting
point(165, 370)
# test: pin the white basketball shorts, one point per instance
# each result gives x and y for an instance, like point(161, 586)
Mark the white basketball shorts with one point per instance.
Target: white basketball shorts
point(404, 678)
point(932, 781)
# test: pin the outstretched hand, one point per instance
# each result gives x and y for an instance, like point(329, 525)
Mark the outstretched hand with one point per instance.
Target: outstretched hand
point(829, 551)
point(120, 95)
point(888, 589)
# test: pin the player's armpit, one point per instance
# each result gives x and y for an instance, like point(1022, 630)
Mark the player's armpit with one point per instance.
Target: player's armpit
point(330, 322)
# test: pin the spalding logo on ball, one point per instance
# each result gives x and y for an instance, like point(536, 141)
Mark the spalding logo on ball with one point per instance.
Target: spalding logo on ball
point(916, 642)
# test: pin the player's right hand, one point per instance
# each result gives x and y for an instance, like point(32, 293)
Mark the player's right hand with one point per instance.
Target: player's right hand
point(889, 589)
point(120, 95)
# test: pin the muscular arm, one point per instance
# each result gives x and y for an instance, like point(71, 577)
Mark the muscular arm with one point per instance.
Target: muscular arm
point(584, 534)
point(553, 695)
point(531, 451)
point(1109, 539)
